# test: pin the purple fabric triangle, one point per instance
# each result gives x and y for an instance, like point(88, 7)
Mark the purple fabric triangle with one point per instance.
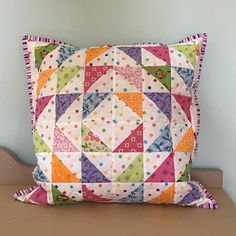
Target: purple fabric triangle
point(90, 173)
point(63, 101)
point(133, 52)
point(193, 195)
point(163, 101)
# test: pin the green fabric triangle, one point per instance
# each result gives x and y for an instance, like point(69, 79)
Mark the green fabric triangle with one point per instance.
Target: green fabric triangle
point(189, 50)
point(134, 172)
point(185, 176)
point(39, 143)
point(92, 144)
point(41, 52)
point(64, 75)
point(59, 198)
point(162, 73)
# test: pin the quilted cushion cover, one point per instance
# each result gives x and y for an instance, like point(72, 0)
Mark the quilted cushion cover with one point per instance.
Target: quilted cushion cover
point(114, 123)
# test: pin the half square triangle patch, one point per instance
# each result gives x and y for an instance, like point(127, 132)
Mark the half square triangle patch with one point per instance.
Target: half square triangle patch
point(135, 196)
point(162, 73)
point(133, 52)
point(165, 172)
point(162, 101)
point(63, 101)
point(60, 173)
point(166, 197)
point(134, 172)
point(90, 173)
point(93, 74)
point(161, 52)
point(133, 143)
point(163, 143)
point(92, 53)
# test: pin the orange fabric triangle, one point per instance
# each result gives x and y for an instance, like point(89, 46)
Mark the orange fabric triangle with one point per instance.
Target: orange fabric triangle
point(43, 78)
point(165, 197)
point(60, 173)
point(132, 100)
point(187, 143)
point(94, 52)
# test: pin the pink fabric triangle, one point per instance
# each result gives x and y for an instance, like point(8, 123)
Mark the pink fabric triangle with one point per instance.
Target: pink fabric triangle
point(94, 73)
point(41, 104)
point(166, 171)
point(61, 143)
point(185, 103)
point(39, 196)
point(160, 52)
point(133, 143)
point(132, 74)
point(89, 195)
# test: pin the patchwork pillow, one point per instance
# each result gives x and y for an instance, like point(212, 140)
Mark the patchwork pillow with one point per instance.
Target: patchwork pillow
point(114, 123)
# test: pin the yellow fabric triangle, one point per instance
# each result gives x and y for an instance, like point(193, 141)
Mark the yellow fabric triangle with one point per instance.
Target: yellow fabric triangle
point(132, 100)
point(60, 173)
point(94, 52)
point(43, 78)
point(187, 143)
point(165, 197)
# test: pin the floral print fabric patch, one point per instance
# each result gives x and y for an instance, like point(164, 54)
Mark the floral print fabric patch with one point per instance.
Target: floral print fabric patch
point(114, 123)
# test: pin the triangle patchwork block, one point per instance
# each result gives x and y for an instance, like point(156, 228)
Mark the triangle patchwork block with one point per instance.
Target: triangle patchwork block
point(38, 175)
point(162, 101)
point(94, 73)
point(39, 143)
point(64, 75)
point(185, 176)
point(60, 198)
point(161, 52)
point(135, 196)
point(41, 52)
point(189, 50)
point(132, 100)
point(186, 74)
point(41, 103)
point(163, 143)
point(193, 195)
point(43, 78)
point(162, 73)
point(134, 172)
point(94, 52)
point(90, 173)
point(64, 53)
point(39, 196)
point(166, 197)
point(187, 142)
point(61, 143)
point(133, 52)
point(133, 143)
point(91, 142)
point(165, 172)
point(133, 75)
point(60, 173)
point(63, 101)
point(89, 106)
point(185, 103)
point(89, 195)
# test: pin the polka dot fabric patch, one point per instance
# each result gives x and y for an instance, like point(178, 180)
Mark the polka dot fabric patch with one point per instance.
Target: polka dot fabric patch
point(115, 123)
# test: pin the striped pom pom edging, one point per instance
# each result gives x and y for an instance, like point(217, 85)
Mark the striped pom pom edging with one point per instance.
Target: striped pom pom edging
point(26, 53)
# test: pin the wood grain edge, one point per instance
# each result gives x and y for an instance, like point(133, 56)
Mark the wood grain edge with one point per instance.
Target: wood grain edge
point(15, 171)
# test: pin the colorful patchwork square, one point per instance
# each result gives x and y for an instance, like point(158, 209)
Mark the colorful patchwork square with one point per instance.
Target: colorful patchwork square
point(115, 123)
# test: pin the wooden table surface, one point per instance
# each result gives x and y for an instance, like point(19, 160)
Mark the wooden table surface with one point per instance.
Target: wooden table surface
point(114, 219)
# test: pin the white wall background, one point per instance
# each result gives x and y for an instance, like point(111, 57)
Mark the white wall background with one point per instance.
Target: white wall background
point(91, 22)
